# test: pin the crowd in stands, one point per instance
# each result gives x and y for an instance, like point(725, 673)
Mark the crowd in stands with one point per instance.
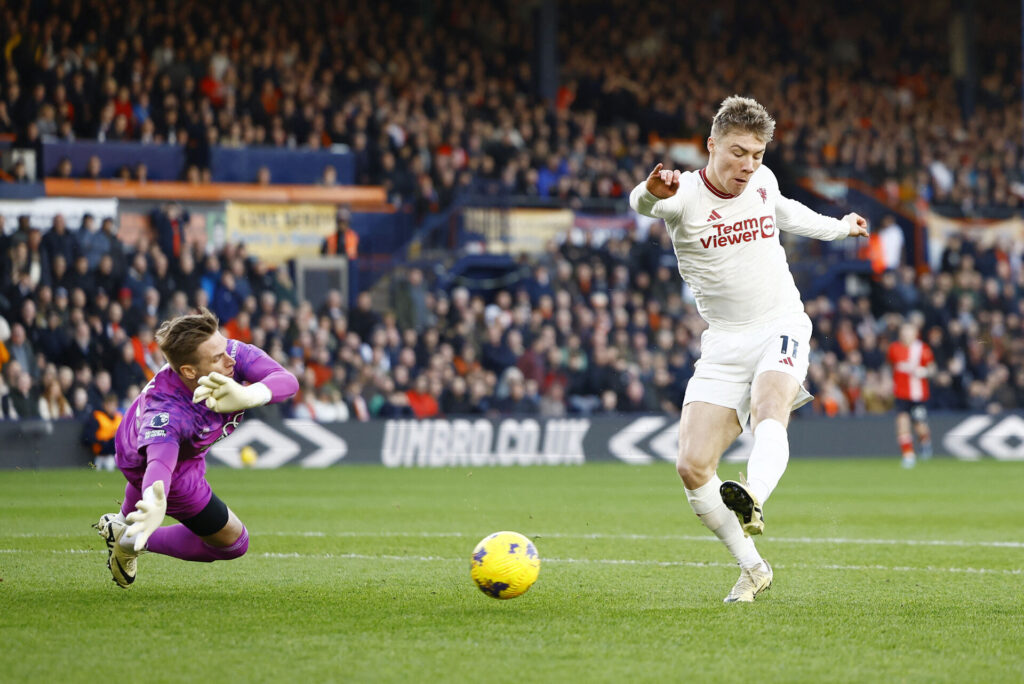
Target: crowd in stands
point(434, 98)
point(439, 98)
point(594, 328)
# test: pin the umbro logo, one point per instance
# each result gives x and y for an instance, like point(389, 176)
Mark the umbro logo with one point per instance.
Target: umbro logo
point(788, 361)
point(714, 216)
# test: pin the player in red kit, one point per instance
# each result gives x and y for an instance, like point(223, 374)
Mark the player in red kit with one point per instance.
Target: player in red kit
point(912, 362)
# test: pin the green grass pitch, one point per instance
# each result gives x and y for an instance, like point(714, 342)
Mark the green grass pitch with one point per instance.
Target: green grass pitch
point(362, 574)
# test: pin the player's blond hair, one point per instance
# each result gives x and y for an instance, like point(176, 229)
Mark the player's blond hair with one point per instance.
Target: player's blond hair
point(179, 338)
point(743, 114)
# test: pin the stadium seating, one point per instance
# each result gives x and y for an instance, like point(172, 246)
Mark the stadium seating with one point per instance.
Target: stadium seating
point(454, 110)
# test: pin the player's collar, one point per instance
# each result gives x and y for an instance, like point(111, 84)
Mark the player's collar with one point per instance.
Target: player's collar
point(714, 191)
point(177, 382)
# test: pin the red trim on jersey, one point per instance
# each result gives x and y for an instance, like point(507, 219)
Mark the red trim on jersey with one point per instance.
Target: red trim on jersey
point(714, 191)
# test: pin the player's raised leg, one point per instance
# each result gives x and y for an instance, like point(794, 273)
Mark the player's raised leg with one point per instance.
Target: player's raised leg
point(705, 432)
point(771, 401)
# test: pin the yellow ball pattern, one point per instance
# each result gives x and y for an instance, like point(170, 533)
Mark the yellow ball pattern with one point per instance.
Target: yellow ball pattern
point(504, 565)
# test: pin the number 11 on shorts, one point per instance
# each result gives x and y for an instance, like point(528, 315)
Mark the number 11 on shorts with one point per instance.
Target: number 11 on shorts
point(785, 345)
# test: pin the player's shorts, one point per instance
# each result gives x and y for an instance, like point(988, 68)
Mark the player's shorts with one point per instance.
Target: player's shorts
point(917, 409)
point(189, 491)
point(729, 362)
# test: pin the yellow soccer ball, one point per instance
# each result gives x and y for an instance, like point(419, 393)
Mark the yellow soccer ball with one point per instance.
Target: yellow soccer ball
point(248, 456)
point(504, 565)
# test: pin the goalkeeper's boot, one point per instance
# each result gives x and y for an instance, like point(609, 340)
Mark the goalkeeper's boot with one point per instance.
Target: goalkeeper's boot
point(740, 500)
point(751, 583)
point(120, 561)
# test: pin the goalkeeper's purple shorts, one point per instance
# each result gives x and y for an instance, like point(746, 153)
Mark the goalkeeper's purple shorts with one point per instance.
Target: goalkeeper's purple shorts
point(189, 492)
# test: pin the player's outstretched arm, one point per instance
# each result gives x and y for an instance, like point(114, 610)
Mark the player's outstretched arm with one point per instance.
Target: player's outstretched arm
point(148, 514)
point(648, 198)
point(224, 395)
point(270, 383)
point(161, 459)
point(794, 217)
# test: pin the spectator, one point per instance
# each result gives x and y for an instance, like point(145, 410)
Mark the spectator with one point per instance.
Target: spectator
point(93, 168)
point(99, 430)
point(52, 403)
point(891, 234)
point(58, 240)
point(421, 401)
point(517, 402)
point(19, 172)
point(329, 177)
point(409, 300)
point(83, 350)
point(92, 243)
point(21, 350)
point(552, 404)
point(344, 240)
point(363, 319)
point(24, 398)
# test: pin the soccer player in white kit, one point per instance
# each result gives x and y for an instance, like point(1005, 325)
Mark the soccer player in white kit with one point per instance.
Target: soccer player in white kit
point(724, 222)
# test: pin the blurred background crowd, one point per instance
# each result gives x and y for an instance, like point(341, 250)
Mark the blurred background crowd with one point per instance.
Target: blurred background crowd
point(438, 102)
point(437, 97)
point(591, 328)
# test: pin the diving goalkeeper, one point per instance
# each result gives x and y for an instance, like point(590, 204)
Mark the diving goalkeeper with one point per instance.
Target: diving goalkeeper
point(194, 401)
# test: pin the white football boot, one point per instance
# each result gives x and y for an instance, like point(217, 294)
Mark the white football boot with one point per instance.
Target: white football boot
point(751, 583)
point(120, 561)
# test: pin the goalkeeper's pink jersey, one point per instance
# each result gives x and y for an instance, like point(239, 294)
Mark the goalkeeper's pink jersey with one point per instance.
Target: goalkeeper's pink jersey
point(164, 412)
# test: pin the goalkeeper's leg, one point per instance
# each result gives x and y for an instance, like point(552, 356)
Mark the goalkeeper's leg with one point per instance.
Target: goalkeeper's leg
point(215, 533)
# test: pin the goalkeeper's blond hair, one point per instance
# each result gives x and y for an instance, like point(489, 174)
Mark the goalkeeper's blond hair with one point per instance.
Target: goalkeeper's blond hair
point(744, 115)
point(179, 338)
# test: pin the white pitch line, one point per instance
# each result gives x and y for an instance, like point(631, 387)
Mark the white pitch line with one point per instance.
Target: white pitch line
point(593, 561)
point(627, 561)
point(668, 537)
point(597, 535)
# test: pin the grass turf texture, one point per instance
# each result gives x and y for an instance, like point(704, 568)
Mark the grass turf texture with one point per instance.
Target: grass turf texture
point(378, 587)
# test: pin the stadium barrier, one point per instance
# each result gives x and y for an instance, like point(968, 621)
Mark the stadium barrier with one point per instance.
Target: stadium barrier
point(227, 164)
point(477, 442)
point(356, 197)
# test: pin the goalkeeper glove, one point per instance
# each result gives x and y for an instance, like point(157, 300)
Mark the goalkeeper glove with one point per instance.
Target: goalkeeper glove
point(223, 395)
point(148, 514)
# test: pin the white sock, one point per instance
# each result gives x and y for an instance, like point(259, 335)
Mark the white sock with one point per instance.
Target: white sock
point(768, 459)
point(706, 502)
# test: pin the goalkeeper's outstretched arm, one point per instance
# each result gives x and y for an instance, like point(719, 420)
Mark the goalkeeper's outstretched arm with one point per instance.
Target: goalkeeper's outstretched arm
point(270, 383)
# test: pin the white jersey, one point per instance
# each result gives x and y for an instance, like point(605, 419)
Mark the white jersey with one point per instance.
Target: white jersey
point(728, 246)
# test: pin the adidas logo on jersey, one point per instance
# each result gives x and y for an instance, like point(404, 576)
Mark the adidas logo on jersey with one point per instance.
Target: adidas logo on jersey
point(788, 361)
point(714, 216)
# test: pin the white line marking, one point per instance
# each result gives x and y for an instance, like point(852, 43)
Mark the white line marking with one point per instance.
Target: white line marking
point(638, 537)
point(668, 537)
point(627, 561)
point(590, 561)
